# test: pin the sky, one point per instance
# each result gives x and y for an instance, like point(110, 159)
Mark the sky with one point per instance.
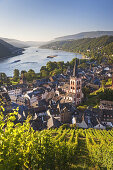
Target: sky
point(44, 20)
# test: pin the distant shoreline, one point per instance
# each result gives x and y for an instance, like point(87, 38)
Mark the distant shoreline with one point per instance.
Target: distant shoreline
point(83, 55)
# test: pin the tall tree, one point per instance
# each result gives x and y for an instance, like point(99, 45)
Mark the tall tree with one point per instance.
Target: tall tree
point(16, 75)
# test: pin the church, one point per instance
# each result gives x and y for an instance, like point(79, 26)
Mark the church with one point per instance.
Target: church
point(76, 85)
point(73, 90)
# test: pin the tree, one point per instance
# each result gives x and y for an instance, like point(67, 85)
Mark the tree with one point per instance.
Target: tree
point(43, 68)
point(44, 73)
point(107, 94)
point(31, 75)
point(51, 66)
point(23, 72)
point(4, 79)
point(55, 72)
point(16, 75)
point(60, 65)
point(83, 65)
point(86, 91)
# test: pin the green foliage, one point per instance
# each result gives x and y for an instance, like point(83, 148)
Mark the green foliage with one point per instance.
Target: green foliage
point(101, 94)
point(84, 107)
point(23, 148)
point(103, 83)
point(4, 79)
point(53, 68)
point(97, 91)
point(16, 75)
point(100, 147)
point(109, 82)
point(30, 75)
point(44, 73)
point(92, 100)
point(86, 91)
point(107, 94)
point(83, 66)
point(100, 48)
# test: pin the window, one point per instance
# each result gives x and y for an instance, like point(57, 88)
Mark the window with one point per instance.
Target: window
point(78, 95)
point(73, 82)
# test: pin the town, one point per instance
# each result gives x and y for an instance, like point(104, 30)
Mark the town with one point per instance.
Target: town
point(62, 98)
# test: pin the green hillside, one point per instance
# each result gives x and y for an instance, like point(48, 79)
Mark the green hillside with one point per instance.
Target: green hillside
point(7, 50)
point(65, 148)
point(4, 51)
point(96, 48)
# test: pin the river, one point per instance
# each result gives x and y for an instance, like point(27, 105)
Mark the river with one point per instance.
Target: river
point(34, 58)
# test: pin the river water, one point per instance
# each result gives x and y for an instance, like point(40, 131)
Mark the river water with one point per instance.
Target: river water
point(34, 58)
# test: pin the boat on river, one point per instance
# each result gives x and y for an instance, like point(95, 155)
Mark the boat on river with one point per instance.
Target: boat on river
point(52, 56)
point(16, 61)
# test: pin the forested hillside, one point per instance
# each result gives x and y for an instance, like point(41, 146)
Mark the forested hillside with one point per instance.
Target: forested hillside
point(65, 148)
point(7, 50)
point(96, 48)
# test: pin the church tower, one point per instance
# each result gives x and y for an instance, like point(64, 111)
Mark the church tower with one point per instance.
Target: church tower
point(76, 85)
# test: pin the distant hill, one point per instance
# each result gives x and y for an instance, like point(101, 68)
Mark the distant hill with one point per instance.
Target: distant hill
point(7, 50)
point(82, 35)
point(23, 44)
point(16, 43)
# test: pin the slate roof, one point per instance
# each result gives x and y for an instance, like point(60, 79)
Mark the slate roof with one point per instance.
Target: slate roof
point(53, 123)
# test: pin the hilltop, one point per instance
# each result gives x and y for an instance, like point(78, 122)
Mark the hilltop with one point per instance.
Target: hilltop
point(16, 43)
point(22, 44)
point(92, 34)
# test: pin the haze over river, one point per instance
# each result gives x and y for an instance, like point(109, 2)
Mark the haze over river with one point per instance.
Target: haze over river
point(34, 58)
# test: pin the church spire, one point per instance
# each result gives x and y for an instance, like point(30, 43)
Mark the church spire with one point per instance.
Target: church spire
point(75, 69)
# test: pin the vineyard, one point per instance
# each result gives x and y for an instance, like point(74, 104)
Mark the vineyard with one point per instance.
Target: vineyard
point(65, 148)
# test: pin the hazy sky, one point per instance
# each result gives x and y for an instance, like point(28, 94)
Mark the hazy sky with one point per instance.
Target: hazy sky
point(42, 20)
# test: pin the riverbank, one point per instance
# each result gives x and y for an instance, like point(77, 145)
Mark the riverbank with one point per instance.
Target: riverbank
point(30, 59)
point(76, 53)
